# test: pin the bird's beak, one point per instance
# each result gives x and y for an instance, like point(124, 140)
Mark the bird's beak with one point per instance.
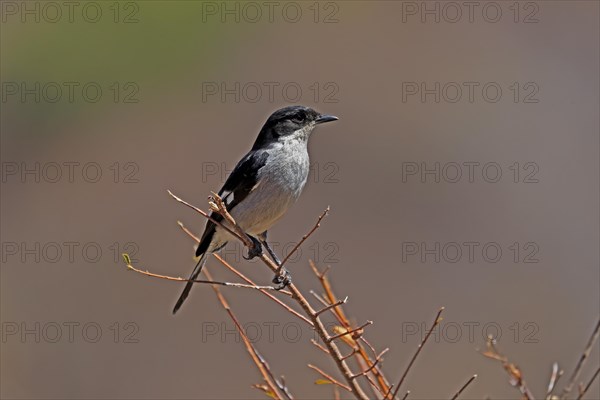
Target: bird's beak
point(326, 118)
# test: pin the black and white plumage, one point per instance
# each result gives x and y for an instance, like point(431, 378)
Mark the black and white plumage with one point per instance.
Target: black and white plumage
point(265, 183)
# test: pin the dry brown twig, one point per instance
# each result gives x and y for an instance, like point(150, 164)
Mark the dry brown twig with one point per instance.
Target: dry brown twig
point(178, 279)
point(330, 378)
point(297, 246)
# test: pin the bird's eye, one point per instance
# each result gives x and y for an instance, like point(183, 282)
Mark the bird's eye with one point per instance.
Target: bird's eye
point(299, 117)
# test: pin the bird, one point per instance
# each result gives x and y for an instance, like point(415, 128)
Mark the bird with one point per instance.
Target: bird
point(263, 185)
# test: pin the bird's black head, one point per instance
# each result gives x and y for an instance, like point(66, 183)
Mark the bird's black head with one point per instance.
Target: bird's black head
point(290, 122)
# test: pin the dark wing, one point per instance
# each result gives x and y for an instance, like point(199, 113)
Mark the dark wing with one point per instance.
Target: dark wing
point(241, 182)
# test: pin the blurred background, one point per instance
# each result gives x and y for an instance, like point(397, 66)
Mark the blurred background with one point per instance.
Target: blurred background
point(463, 172)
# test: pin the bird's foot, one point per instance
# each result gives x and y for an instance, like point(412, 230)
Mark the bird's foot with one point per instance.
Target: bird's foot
point(255, 251)
point(282, 279)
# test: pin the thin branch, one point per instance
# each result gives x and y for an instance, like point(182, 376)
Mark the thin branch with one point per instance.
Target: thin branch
point(273, 385)
point(353, 352)
point(178, 279)
point(378, 359)
point(313, 341)
point(362, 339)
point(362, 366)
point(329, 307)
point(318, 297)
point(217, 205)
point(464, 387)
point(218, 223)
point(249, 281)
point(350, 332)
point(297, 246)
point(269, 295)
point(330, 378)
point(587, 387)
point(436, 321)
point(586, 353)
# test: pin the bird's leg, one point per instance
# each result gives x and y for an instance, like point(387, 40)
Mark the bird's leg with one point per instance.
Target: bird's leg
point(271, 252)
point(255, 251)
point(282, 277)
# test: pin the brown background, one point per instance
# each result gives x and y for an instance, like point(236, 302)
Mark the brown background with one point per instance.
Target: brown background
point(171, 134)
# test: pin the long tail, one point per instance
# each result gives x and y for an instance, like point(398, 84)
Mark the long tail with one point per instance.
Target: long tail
point(188, 286)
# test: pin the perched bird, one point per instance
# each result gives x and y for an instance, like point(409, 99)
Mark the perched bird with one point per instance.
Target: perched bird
point(264, 184)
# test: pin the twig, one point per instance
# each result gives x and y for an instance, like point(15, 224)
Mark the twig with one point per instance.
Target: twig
point(378, 359)
point(263, 367)
point(464, 387)
point(218, 223)
point(329, 307)
point(330, 378)
point(178, 279)
point(406, 395)
point(249, 281)
point(353, 352)
point(323, 349)
point(297, 246)
point(587, 387)
point(362, 338)
point(436, 321)
point(586, 353)
point(350, 332)
point(318, 297)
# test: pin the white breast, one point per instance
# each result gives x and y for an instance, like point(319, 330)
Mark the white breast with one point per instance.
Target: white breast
point(280, 183)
